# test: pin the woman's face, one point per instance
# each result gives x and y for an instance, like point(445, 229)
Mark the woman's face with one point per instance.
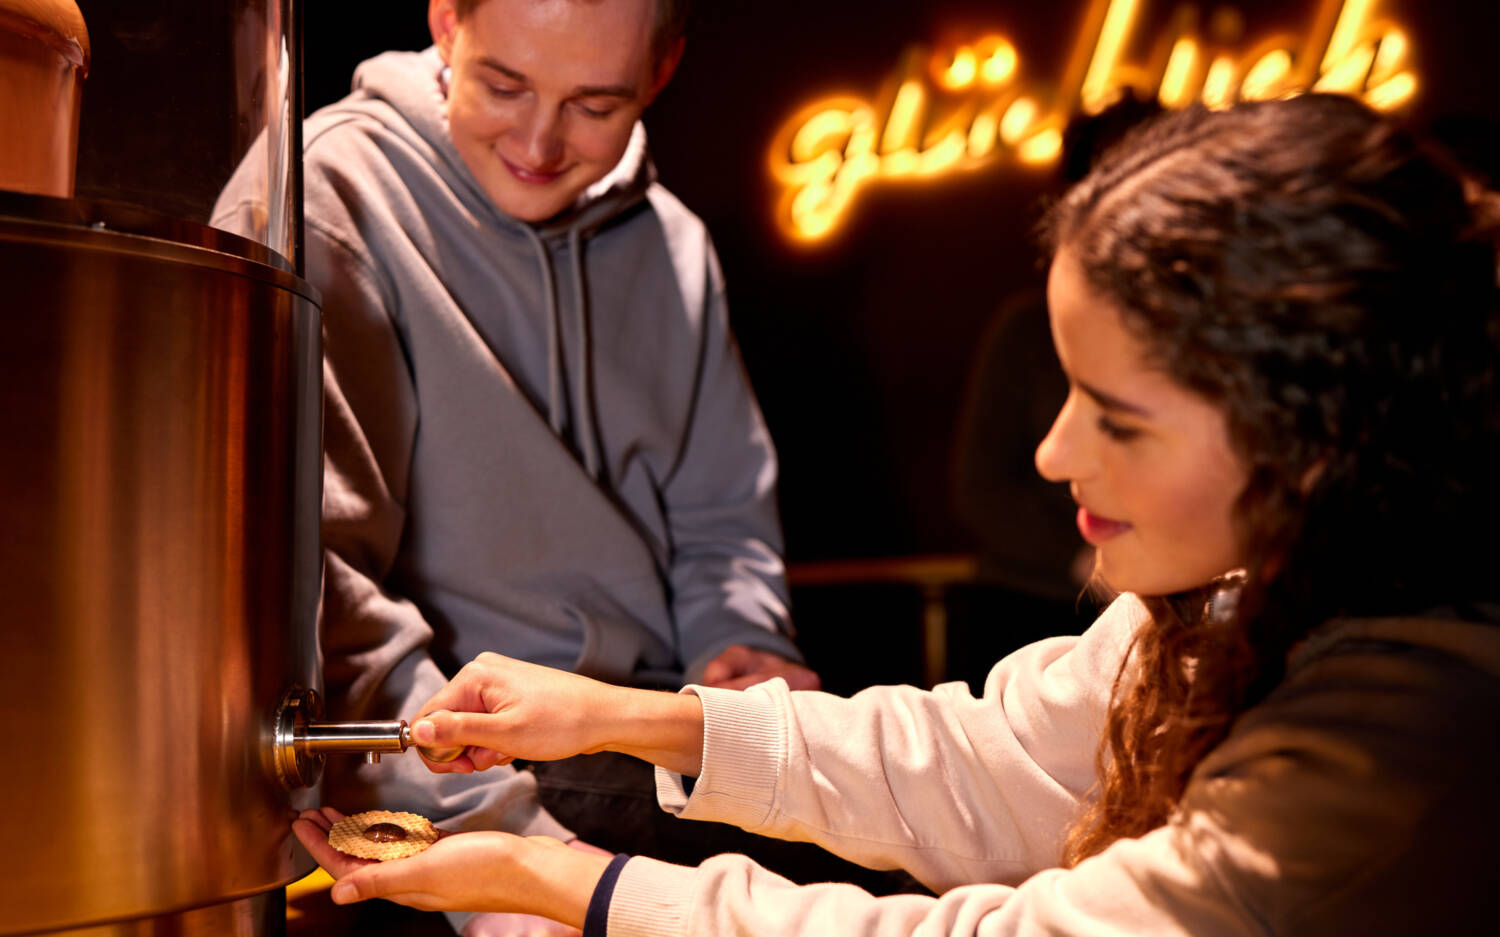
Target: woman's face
point(1148, 461)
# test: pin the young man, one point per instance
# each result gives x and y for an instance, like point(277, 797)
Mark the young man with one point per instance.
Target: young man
point(539, 437)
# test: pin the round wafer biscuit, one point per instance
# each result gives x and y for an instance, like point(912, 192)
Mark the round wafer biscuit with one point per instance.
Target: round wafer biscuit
point(348, 835)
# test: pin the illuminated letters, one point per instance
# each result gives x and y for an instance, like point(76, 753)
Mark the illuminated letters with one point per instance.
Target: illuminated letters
point(971, 107)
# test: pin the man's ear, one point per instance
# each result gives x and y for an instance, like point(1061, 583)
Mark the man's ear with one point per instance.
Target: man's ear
point(664, 69)
point(442, 20)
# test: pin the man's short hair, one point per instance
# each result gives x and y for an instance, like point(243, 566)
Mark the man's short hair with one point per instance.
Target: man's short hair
point(671, 23)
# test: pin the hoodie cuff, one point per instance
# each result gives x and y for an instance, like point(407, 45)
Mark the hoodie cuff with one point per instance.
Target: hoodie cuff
point(744, 749)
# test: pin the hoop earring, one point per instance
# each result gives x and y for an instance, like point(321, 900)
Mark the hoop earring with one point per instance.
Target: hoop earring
point(1224, 597)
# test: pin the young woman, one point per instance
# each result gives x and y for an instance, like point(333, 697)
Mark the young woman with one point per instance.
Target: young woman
point(1280, 325)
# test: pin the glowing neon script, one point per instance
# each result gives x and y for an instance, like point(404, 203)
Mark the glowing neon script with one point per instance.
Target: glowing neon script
point(969, 108)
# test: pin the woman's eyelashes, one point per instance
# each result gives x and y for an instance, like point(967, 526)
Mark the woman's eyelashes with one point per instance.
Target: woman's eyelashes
point(1117, 431)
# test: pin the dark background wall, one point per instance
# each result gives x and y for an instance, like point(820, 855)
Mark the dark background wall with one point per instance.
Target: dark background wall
point(859, 346)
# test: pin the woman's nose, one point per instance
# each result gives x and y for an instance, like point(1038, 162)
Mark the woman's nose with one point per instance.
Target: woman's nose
point(1058, 456)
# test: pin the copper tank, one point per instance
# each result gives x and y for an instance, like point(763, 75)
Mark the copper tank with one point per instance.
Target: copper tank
point(44, 58)
point(160, 401)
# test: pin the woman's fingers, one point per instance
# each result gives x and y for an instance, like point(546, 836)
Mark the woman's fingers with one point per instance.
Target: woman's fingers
point(513, 710)
point(314, 838)
point(434, 879)
point(473, 759)
point(322, 817)
point(465, 692)
point(459, 765)
point(477, 733)
point(487, 758)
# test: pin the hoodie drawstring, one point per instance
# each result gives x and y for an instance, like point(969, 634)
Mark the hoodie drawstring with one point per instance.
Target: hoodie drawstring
point(584, 396)
point(585, 399)
point(554, 339)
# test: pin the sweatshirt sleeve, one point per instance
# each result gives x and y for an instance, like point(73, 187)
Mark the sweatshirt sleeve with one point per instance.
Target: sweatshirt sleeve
point(957, 791)
point(727, 576)
point(1151, 885)
point(951, 788)
point(374, 643)
point(1345, 802)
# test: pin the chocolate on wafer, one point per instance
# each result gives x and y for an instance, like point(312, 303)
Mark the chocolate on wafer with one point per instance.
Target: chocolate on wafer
point(382, 835)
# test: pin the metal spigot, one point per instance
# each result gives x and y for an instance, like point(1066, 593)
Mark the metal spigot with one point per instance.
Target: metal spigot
point(371, 739)
point(300, 744)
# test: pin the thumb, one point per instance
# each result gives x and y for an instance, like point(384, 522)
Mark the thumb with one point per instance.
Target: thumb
point(728, 664)
point(452, 730)
point(714, 671)
point(360, 885)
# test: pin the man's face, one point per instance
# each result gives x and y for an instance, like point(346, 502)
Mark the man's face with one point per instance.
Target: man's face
point(544, 93)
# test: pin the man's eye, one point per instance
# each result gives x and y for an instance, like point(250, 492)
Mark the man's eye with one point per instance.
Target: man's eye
point(1115, 431)
point(501, 92)
point(597, 113)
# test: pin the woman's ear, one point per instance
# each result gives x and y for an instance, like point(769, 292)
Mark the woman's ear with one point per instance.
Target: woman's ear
point(442, 20)
point(1311, 475)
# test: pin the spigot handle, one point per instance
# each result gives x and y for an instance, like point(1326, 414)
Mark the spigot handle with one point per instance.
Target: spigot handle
point(436, 755)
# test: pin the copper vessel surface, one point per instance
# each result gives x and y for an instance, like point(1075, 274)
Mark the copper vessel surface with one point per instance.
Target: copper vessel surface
point(44, 58)
point(160, 404)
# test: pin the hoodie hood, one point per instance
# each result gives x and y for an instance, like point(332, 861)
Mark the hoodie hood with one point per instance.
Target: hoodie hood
point(1470, 634)
point(414, 85)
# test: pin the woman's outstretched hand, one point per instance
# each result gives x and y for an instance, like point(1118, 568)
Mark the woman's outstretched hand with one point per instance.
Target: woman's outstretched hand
point(484, 871)
point(500, 709)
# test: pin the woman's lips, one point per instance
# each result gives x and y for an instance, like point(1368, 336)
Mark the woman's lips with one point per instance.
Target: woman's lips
point(1096, 529)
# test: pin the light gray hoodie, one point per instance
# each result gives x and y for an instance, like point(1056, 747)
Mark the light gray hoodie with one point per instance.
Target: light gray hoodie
point(539, 439)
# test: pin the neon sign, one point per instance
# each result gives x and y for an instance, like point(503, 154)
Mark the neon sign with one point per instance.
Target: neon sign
point(971, 107)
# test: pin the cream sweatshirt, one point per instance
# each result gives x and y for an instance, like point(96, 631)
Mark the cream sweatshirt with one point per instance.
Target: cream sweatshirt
point(1358, 798)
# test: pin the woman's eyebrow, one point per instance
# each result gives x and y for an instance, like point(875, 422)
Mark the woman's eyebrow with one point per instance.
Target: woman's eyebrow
point(1111, 402)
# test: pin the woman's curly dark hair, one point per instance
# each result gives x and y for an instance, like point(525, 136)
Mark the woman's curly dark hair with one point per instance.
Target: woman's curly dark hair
point(1328, 281)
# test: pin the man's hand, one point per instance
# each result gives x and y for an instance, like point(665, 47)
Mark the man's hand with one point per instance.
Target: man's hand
point(739, 667)
point(491, 872)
